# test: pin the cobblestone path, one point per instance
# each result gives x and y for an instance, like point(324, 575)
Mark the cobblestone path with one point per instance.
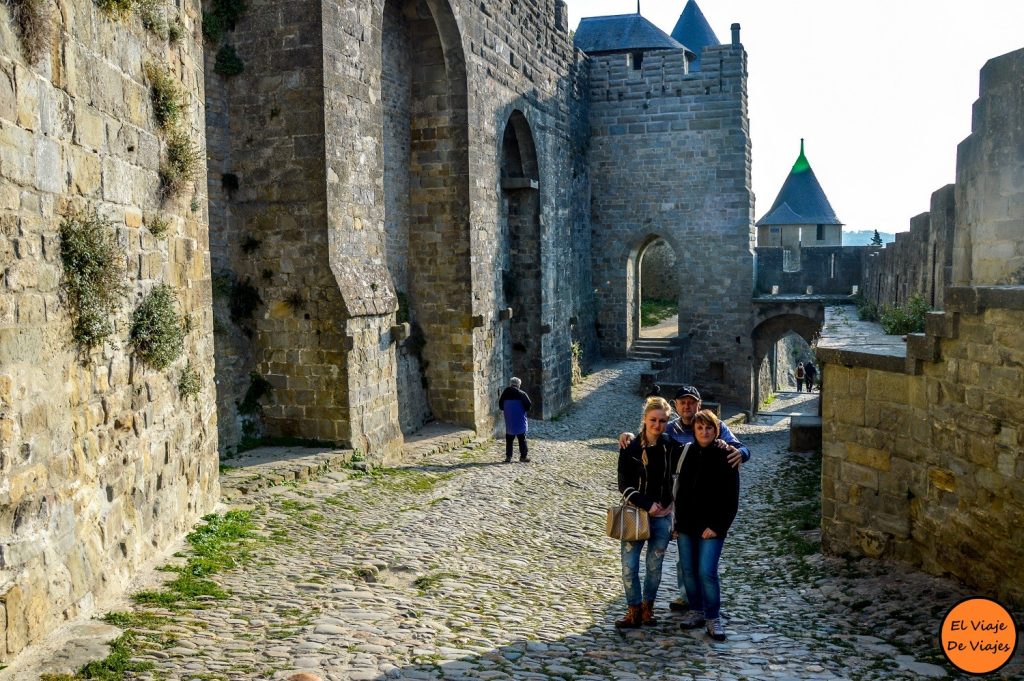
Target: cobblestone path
point(467, 567)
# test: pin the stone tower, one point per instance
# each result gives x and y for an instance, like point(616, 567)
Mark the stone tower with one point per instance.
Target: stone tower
point(670, 159)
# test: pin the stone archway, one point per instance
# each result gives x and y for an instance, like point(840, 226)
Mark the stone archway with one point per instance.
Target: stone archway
point(635, 283)
point(773, 329)
point(657, 281)
point(520, 259)
point(426, 208)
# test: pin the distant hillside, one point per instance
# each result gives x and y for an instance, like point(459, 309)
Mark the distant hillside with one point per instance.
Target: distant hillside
point(863, 237)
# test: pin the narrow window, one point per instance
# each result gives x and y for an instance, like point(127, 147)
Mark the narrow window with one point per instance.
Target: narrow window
point(821, 232)
point(638, 60)
point(832, 267)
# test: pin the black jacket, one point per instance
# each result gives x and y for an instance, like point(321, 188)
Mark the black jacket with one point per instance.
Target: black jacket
point(653, 482)
point(709, 492)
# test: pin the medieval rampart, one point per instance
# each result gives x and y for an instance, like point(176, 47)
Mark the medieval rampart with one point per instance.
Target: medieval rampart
point(825, 270)
point(923, 439)
point(104, 459)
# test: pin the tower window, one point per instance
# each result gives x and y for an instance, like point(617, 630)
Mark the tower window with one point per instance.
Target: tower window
point(638, 60)
point(821, 232)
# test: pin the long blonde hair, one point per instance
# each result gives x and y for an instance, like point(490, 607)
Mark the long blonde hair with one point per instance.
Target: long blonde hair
point(651, 404)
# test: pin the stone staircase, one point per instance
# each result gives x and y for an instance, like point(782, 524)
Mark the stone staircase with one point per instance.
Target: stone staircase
point(658, 351)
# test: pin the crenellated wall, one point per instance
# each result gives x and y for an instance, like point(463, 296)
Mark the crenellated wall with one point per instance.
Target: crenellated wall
point(103, 463)
point(826, 270)
point(923, 438)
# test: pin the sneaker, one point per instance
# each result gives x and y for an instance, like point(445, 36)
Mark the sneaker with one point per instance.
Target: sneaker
point(692, 620)
point(508, 459)
point(715, 629)
point(678, 605)
point(524, 459)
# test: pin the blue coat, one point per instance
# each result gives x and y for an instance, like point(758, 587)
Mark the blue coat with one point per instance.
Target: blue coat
point(514, 403)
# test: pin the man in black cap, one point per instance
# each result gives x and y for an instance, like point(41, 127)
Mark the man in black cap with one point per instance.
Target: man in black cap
point(687, 404)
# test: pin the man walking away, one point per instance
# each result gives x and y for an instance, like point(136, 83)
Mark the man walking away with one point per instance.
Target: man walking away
point(799, 377)
point(514, 403)
point(809, 373)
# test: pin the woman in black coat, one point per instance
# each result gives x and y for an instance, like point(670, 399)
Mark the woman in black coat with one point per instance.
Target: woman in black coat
point(706, 501)
point(645, 479)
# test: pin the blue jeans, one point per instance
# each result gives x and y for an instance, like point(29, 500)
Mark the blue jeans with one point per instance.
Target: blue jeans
point(698, 572)
point(661, 534)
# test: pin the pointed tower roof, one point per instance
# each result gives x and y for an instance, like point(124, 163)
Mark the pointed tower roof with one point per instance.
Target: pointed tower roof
point(694, 31)
point(621, 33)
point(801, 201)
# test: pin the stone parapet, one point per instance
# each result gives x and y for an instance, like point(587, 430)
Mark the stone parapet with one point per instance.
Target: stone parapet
point(922, 443)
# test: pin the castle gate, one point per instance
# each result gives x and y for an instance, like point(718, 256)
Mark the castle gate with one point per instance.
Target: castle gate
point(639, 288)
point(773, 320)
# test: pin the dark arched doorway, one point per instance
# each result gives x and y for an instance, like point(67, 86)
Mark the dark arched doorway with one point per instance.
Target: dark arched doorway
point(426, 208)
point(520, 259)
point(658, 288)
point(766, 337)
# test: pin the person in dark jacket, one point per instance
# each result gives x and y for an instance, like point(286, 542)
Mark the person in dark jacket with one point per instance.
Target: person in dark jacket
point(809, 374)
point(514, 403)
point(645, 479)
point(706, 500)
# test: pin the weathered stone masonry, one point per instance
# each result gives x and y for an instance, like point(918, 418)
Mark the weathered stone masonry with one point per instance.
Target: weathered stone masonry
point(670, 158)
point(102, 463)
point(923, 443)
point(370, 141)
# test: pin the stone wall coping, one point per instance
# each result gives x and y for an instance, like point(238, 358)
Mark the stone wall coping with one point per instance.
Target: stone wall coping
point(973, 299)
point(848, 341)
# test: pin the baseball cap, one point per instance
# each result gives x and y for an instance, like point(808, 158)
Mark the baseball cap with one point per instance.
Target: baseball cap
point(688, 391)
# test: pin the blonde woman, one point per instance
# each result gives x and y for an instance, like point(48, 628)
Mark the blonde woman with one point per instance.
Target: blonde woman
point(645, 478)
point(706, 503)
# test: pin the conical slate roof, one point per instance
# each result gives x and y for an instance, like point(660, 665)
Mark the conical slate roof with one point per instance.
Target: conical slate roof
point(621, 33)
point(801, 201)
point(694, 31)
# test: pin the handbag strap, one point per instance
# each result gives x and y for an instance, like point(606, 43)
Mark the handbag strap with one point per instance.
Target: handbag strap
point(679, 470)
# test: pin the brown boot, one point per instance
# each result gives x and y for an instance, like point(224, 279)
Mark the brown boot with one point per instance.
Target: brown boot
point(632, 620)
point(647, 613)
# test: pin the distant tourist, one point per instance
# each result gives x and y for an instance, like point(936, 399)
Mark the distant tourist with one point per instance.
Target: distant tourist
point(645, 480)
point(705, 506)
point(799, 376)
point(810, 373)
point(654, 392)
point(514, 403)
point(688, 403)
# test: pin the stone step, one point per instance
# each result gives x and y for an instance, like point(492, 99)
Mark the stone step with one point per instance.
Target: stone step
point(633, 354)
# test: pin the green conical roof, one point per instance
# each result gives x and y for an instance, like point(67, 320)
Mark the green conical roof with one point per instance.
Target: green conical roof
point(801, 201)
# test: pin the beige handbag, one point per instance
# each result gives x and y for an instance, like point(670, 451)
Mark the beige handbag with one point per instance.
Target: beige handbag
point(627, 522)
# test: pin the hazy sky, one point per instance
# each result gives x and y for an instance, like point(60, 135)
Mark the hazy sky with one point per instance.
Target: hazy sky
point(881, 89)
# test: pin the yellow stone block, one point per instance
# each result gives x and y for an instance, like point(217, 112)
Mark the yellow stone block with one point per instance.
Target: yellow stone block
point(942, 479)
point(867, 456)
point(132, 217)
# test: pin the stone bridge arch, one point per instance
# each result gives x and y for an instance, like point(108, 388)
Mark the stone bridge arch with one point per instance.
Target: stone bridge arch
point(773, 323)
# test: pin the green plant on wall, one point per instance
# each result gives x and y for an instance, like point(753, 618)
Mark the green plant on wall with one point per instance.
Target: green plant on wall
point(158, 226)
point(190, 382)
point(228, 63)
point(166, 95)
point(153, 15)
point(117, 9)
point(34, 26)
point(158, 334)
point(181, 165)
point(904, 319)
point(222, 16)
point(93, 282)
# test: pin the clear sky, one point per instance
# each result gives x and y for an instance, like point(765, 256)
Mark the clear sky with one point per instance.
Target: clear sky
point(881, 89)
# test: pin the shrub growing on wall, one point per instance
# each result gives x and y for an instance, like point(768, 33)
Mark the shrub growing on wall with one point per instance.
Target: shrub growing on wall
point(93, 282)
point(158, 331)
point(34, 26)
point(901, 320)
point(165, 92)
point(182, 163)
point(190, 382)
point(228, 63)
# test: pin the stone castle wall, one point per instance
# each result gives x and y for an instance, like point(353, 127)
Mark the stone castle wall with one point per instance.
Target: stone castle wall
point(919, 261)
point(102, 463)
point(670, 158)
point(370, 141)
point(922, 440)
point(825, 269)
